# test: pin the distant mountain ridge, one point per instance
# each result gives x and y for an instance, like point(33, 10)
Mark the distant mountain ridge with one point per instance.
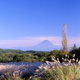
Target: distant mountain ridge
point(42, 46)
point(20, 51)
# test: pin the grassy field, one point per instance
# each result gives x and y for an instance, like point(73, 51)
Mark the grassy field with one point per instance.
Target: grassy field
point(54, 73)
point(69, 69)
point(62, 73)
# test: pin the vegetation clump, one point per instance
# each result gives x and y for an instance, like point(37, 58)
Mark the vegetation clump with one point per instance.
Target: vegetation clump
point(69, 69)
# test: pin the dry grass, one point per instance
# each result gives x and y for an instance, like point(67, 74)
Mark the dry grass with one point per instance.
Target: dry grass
point(62, 73)
point(69, 70)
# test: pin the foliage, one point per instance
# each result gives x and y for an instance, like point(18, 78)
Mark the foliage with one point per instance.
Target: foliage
point(57, 54)
point(9, 55)
point(62, 73)
point(11, 50)
point(76, 51)
point(74, 47)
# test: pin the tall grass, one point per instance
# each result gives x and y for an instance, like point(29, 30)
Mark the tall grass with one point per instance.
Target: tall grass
point(62, 73)
point(68, 70)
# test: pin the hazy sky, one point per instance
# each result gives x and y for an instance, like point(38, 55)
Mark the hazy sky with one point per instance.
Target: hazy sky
point(27, 22)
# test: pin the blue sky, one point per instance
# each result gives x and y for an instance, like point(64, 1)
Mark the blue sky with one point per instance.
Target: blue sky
point(37, 20)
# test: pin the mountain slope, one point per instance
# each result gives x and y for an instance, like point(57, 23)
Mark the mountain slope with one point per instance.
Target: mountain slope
point(44, 46)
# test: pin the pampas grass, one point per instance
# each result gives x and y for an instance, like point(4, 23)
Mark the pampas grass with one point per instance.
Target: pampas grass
point(62, 73)
point(69, 69)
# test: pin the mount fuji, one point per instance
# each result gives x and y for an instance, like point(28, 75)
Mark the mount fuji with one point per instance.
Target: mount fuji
point(44, 46)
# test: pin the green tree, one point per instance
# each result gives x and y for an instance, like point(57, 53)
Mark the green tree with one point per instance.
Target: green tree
point(74, 47)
